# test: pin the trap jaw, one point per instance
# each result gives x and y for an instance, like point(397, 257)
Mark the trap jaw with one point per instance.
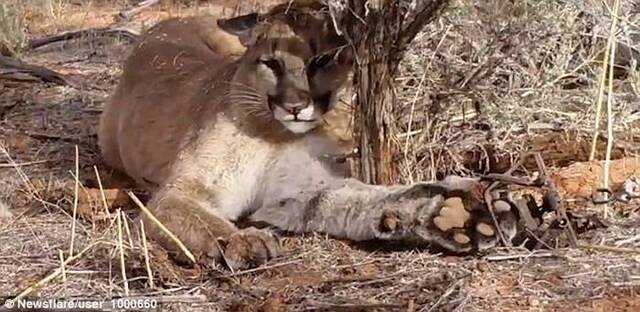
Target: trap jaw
point(534, 223)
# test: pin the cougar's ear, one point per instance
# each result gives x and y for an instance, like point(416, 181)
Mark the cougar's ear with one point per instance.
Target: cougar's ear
point(246, 27)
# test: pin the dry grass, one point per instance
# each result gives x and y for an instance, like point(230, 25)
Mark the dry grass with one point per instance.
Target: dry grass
point(12, 35)
point(319, 274)
point(19, 17)
point(532, 67)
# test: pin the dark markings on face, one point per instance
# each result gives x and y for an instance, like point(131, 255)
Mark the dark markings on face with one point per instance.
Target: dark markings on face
point(319, 65)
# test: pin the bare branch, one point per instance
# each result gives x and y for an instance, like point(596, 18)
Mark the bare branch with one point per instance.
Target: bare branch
point(91, 32)
point(380, 32)
point(14, 69)
point(127, 14)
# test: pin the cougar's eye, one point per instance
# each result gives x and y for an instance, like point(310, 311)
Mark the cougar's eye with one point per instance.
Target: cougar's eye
point(321, 61)
point(273, 64)
point(318, 62)
point(323, 101)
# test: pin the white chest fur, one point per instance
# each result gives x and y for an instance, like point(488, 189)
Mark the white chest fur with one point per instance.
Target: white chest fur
point(229, 165)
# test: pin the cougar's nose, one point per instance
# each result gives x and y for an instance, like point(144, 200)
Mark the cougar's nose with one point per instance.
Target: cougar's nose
point(294, 107)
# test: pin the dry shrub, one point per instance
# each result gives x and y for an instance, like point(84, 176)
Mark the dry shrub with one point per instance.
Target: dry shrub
point(14, 15)
point(47, 17)
point(488, 76)
point(12, 35)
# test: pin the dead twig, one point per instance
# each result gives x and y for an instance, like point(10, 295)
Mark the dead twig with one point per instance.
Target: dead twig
point(75, 203)
point(25, 164)
point(123, 267)
point(102, 194)
point(55, 137)
point(447, 293)
point(14, 69)
point(610, 248)
point(91, 32)
point(352, 306)
point(534, 254)
point(127, 14)
point(370, 278)
point(54, 274)
point(263, 268)
point(157, 222)
point(147, 263)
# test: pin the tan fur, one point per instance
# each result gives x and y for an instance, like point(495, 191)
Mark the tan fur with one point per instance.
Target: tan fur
point(167, 125)
point(194, 116)
point(168, 51)
point(191, 48)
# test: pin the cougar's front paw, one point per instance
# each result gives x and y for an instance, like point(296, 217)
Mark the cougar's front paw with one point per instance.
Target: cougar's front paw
point(250, 247)
point(464, 224)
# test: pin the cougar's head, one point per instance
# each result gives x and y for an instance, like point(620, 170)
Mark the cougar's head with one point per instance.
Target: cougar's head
point(293, 69)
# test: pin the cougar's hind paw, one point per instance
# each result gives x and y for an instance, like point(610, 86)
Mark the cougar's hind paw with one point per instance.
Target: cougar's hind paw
point(249, 248)
point(453, 225)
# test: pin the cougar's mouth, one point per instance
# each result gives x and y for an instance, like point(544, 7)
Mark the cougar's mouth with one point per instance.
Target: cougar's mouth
point(296, 119)
point(282, 114)
point(299, 126)
point(300, 121)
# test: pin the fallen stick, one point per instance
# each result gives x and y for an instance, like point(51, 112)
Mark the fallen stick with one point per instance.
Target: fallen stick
point(14, 69)
point(173, 237)
point(263, 268)
point(127, 14)
point(53, 275)
point(145, 247)
point(91, 32)
point(519, 256)
point(325, 306)
point(610, 248)
point(54, 137)
point(25, 164)
point(123, 267)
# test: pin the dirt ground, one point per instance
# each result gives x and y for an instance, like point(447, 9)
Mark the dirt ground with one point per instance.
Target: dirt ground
point(42, 124)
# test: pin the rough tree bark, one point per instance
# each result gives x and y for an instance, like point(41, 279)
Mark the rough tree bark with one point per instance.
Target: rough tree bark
point(380, 31)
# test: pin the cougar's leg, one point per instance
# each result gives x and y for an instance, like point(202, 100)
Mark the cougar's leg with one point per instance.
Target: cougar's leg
point(434, 213)
point(193, 218)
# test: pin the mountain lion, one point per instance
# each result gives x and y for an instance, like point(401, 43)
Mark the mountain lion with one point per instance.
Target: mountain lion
point(225, 121)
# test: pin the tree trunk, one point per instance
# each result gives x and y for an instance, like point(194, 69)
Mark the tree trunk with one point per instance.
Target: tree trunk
point(374, 118)
point(380, 31)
